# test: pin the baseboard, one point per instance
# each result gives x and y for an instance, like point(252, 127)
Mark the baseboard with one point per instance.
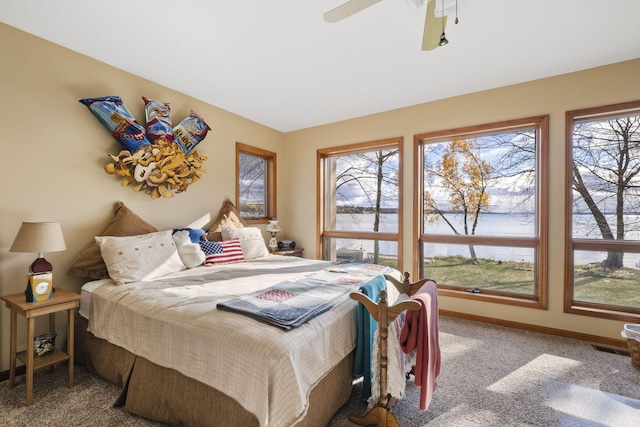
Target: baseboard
point(534, 328)
point(20, 370)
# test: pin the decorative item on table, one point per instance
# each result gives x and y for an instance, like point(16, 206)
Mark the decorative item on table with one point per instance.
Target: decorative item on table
point(39, 287)
point(273, 228)
point(39, 237)
point(286, 245)
point(159, 160)
point(44, 344)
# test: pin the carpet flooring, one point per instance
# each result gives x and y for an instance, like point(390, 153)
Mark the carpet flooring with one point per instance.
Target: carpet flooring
point(580, 406)
point(491, 376)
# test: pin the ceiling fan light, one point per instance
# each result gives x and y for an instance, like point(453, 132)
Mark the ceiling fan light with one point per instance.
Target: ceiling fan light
point(443, 40)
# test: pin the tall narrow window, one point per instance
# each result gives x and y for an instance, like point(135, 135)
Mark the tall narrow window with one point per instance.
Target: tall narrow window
point(256, 183)
point(603, 212)
point(482, 211)
point(360, 206)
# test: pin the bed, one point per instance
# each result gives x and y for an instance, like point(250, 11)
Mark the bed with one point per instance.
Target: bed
point(182, 361)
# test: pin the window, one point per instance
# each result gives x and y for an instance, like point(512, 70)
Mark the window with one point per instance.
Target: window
point(361, 199)
point(603, 212)
point(481, 211)
point(256, 183)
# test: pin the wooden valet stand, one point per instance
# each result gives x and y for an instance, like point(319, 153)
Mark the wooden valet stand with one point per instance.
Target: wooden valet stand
point(384, 314)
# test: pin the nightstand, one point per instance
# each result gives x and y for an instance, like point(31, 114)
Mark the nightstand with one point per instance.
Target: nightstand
point(289, 252)
point(60, 301)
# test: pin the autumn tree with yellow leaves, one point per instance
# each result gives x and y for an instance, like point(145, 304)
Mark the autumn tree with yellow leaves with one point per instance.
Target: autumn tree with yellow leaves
point(465, 177)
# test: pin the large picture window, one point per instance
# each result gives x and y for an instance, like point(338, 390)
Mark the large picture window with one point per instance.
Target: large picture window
point(360, 188)
point(256, 183)
point(482, 211)
point(603, 212)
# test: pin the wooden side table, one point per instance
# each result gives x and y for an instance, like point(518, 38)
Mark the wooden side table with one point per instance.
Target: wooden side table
point(289, 252)
point(60, 301)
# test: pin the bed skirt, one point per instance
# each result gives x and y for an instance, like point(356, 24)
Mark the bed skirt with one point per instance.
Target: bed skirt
point(165, 395)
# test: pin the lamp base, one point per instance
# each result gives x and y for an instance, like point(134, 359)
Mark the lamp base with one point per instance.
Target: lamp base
point(273, 244)
point(40, 265)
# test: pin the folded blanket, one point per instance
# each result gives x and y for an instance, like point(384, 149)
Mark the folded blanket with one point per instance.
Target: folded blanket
point(396, 362)
point(420, 333)
point(293, 302)
point(367, 326)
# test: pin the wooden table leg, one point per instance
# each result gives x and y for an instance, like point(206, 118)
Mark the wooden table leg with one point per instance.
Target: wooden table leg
point(30, 352)
point(52, 330)
point(52, 323)
point(12, 348)
point(70, 344)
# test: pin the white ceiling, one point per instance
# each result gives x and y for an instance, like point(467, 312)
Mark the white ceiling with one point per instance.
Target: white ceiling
point(278, 63)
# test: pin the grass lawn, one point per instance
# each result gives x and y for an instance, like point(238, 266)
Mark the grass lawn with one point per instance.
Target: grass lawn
point(593, 283)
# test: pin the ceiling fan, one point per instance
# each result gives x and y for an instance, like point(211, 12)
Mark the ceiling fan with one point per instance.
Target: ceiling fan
point(434, 23)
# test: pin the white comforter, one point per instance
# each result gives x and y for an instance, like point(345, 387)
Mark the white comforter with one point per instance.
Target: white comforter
point(173, 322)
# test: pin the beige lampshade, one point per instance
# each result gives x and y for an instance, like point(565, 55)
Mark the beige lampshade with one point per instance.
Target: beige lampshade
point(39, 237)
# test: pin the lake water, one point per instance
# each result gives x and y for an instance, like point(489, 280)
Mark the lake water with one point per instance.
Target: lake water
point(506, 225)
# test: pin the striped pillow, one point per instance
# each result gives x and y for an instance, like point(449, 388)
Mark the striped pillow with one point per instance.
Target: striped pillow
point(225, 252)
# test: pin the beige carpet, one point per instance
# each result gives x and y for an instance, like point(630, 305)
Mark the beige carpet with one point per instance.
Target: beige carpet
point(580, 406)
point(491, 376)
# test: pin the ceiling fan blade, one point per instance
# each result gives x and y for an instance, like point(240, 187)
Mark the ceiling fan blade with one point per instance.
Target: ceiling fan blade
point(415, 4)
point(433, 27)
point(347, 9)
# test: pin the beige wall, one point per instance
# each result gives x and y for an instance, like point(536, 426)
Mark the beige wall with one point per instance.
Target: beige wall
point(53, 151)
point(552, 96)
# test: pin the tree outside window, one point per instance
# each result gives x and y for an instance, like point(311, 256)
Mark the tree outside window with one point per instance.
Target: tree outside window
point(482, 211)
point(361, 197)
point(603, 205)
point(256, 187)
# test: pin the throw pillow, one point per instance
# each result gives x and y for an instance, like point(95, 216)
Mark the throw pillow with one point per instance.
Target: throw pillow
point(190, 253)
point(251, 241)
point(124, 223)
point(144, 257)
point(195, 234)
point(225, 252)
point(228, 216)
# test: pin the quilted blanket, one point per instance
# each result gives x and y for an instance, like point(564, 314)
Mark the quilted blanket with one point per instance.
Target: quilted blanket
point(291, 303)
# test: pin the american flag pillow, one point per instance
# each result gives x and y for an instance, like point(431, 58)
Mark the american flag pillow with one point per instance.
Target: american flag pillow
point(225, 252)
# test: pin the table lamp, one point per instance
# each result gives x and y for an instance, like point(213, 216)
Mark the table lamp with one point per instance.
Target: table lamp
point(39, 237)
point(273, 228)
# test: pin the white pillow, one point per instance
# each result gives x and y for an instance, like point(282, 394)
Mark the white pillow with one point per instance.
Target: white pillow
point(143, 257)
point(251, 241)
point(190, 253)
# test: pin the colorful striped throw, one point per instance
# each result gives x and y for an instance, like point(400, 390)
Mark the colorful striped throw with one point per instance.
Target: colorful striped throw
point(225, 252)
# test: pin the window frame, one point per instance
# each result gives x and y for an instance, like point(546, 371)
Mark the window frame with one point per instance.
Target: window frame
point(270, 181)
point(322, 155)
point(539, 241)
point(572, 244)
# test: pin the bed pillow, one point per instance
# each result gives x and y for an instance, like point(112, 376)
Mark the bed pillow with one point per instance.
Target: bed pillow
point(144, 257)
point(124, 223)
point(190, 253)
point(195, 234)
point(251, 241)
point(228, 216)
point(225, 252)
